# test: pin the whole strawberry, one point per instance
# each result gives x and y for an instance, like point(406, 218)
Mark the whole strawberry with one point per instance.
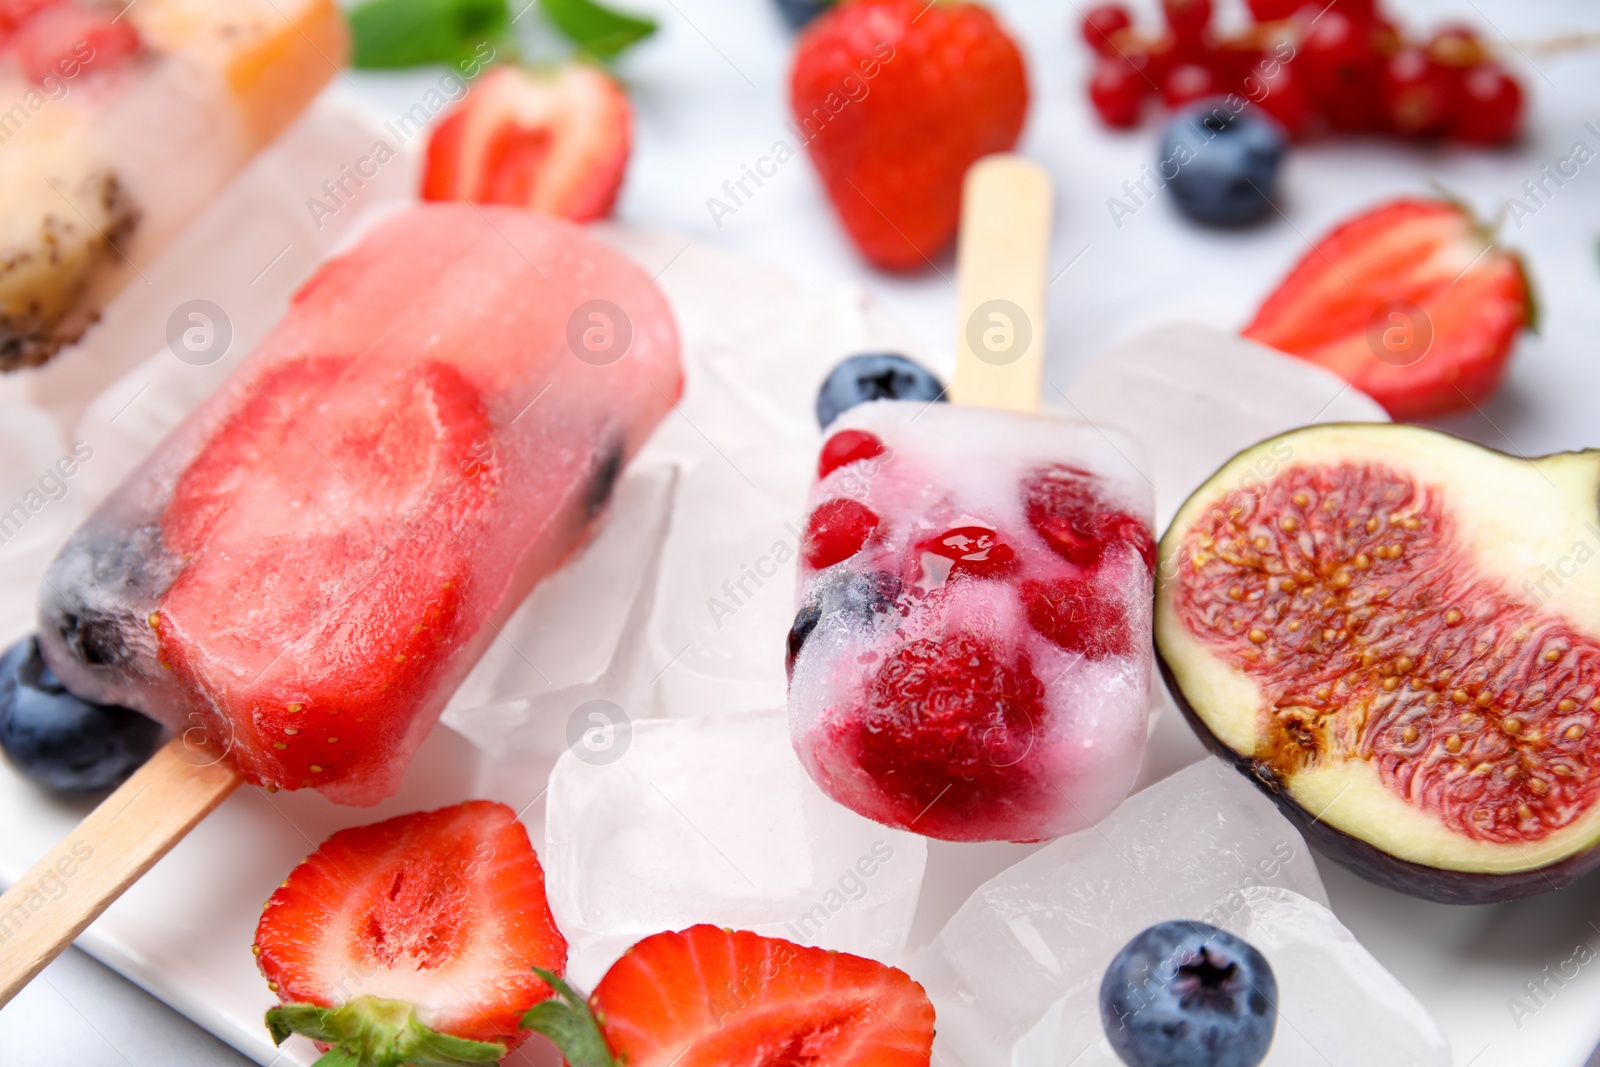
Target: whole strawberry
point(895, 99)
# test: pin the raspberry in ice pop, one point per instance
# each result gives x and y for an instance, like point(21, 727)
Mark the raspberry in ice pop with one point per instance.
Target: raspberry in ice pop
point(971, 657)
point(306, 567)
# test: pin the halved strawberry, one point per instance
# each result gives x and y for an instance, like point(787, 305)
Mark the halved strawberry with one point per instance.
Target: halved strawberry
point(707, 997)
point(412, 941)
point(1412, 303)
point(556, 142)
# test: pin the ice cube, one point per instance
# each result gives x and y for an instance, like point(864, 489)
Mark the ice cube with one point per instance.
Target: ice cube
point(725, 596)
point(1337, 1006)
point(1186, 847)
point(712, 820)
point(576, 638)
point(1327, 981)
point(756, 346)
point(1194, 396)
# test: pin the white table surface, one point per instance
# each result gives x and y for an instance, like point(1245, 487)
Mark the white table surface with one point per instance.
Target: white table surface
point(710, 96)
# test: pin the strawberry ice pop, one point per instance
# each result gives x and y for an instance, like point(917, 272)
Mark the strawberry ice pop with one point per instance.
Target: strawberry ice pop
point(119, 121)
point(971, 657)
point(310, 563)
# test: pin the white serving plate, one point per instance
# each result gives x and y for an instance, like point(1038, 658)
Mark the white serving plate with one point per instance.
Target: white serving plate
point(184, 931)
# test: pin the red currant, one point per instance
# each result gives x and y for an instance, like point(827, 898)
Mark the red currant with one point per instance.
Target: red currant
point(1490, 108)
point(1117, 90)
point(1281, 95)
point(1061, 504)
point(1343, 70)
point(836, 531)
point(1419, 96)
point(975, 550)
point(1102, 23)
point(1274, 10)
point(846, 447)
point(1457, 47)
point(1186, 83)
point(1072, 614)
point(1233, 60)
point(1356, 9)
point(1188, 20)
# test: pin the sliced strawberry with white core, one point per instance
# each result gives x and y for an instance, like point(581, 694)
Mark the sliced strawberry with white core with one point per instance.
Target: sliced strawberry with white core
point(411, 941)
point(709, 997)
point(556, 142)
point(1412, 303)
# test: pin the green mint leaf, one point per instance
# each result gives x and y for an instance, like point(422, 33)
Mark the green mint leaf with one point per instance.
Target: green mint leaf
point(408, 33)
point(597, 30)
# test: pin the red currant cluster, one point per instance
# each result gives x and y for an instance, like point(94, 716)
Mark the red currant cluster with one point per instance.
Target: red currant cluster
point(1317, 66)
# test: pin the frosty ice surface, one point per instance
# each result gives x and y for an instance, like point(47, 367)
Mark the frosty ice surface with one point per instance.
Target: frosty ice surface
point(1194, 396)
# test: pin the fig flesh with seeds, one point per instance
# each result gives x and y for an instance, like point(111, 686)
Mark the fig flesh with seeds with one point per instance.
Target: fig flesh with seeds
point(1396, 634)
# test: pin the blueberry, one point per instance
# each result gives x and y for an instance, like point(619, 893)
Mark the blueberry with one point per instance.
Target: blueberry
point(805, 621)
point(799, 12)
point(850, 595)
point(1222, 166)
point(64, 744)
point(1186, 994)
point(874, 376)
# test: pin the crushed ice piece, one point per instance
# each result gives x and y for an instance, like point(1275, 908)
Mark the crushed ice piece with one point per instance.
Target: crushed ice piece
point(1195, 396)
point(1187, 847)
point(680, 821)
point(1337, 1005)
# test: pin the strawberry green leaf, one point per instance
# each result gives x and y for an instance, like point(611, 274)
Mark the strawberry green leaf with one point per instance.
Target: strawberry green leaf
point(1535, 315)
point(338, 1057)
point(406, 33)
point(597, 30)
point(370, 1032)
point(567, 1021)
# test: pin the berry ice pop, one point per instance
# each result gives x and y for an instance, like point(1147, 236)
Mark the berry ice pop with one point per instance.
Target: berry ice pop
point(118, 122)
point(307, 566)
point(971, 657)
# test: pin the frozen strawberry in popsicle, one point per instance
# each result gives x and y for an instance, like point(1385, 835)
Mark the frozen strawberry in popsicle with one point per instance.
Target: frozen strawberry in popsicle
point(971, 657)
point(307, 566)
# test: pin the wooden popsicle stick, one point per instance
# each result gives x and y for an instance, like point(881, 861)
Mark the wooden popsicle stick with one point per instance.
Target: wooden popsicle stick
point(110, 849)
point(1004, 247)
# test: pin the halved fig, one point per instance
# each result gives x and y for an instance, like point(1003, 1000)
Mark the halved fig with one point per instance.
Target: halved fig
point(1396, 634)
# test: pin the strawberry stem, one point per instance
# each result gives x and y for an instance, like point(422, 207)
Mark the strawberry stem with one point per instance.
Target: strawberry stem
point(371, 1032)
point(569, 1023)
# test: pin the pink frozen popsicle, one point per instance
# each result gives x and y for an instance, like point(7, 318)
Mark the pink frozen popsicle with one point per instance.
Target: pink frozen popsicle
point(306, 567)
